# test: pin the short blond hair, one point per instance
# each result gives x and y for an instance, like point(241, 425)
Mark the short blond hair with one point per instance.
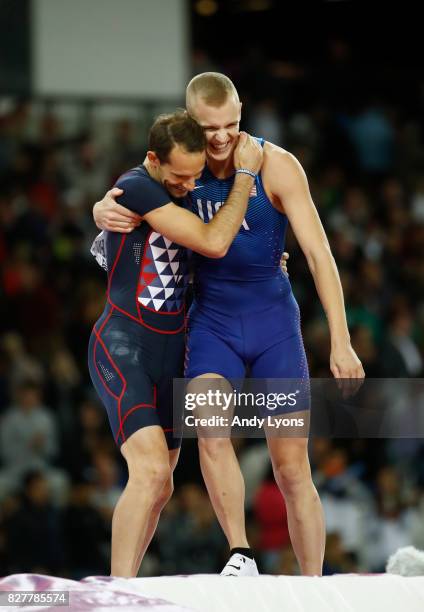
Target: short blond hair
point(213, 88)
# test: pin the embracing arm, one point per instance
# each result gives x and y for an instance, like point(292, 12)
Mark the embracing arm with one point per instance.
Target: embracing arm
point(211, 239)
point(113, 217)
point(181, 226)
point(287, 183)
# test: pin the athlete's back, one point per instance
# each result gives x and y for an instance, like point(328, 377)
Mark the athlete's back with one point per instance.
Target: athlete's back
point(147, 272)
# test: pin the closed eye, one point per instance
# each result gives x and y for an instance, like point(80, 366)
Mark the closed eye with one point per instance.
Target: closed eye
point(215, 128)
point(185, 178)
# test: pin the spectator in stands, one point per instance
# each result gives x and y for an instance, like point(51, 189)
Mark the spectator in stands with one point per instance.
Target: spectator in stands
point(29, 441)
point(35, 540)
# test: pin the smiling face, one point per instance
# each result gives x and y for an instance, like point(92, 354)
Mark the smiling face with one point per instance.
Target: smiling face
point(176, 155)
point(179, 172)
point(220, 124)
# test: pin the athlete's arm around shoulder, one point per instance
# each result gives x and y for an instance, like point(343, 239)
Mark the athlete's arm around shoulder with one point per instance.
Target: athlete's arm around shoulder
point(186, 229)
point(214, 238)
point(182, 226)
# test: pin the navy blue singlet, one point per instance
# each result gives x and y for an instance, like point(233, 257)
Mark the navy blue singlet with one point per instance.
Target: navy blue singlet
point(137, 345)
point(244, 314)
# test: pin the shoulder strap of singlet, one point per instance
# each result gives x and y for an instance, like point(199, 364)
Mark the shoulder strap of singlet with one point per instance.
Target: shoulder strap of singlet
point(258, 177)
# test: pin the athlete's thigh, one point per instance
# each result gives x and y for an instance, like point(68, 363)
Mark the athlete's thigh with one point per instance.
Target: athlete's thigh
point(121, 377)
point(169, 367)
point(284, 359)
point(280, 377)
point(281, 371)
point(214, 344)
point(169, 412)
point(279, 350)
point(207, 352)
point(145, 448)
point(212, 403)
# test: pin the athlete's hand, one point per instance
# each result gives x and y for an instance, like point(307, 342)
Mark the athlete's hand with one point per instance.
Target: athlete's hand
point(347, 369)
point(283, 263)
point(111, 216)
point(248, 153)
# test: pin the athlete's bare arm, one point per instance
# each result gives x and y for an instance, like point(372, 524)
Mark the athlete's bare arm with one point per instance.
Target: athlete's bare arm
point(286, 185)
point(184, 227)
point(212, 239)
point(111, 216)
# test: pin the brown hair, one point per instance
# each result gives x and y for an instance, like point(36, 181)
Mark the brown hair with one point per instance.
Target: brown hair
point(212, 87)
point(175, 129)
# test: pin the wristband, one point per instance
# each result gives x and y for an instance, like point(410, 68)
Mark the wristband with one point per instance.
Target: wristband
point(246, 171)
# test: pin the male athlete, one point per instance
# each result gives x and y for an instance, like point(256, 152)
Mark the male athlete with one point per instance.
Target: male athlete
point(137, 345)
point(245, 314)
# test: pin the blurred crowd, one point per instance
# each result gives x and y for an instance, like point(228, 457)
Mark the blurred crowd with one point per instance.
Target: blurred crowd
point(60, 473)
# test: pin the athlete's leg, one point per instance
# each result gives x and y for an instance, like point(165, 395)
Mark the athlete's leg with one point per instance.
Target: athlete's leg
point(223, 480)
point(160, 503)
point(214, 350)
point(285, 359)
point(305, 515)
point(146, 454)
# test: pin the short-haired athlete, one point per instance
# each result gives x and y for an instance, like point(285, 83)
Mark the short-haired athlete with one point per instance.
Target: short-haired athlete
point(245, 314)
point(137, 345)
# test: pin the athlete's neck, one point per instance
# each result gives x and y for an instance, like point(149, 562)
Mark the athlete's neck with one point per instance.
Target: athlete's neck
point(151, 170)
point(221, 169)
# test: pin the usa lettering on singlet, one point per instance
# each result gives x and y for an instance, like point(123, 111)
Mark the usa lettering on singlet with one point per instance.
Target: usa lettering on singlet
point(253, 257)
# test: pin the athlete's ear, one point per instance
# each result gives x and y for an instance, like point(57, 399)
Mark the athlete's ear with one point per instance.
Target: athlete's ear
point(153, 158)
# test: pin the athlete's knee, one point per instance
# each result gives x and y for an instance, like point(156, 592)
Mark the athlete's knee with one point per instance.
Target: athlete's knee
point(147, 458)
point(215, 448)
point(165, 495)
point(292, 472)
point(150, 475)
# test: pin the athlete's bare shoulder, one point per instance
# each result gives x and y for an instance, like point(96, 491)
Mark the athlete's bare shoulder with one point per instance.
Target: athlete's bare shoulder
point(280, 169)
point(275, 155)
point(273, 149)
